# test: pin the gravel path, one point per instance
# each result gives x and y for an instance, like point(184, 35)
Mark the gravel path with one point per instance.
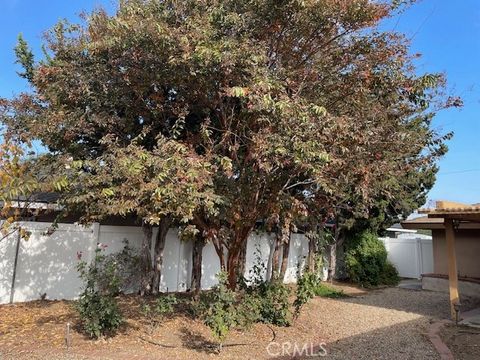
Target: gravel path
point(386, 324)
point(380, 324)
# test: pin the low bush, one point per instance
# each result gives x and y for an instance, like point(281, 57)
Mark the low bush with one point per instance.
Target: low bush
point(366, 261)
point(125, 263)
point(162, 307)
point(218, 310)
point(222, 309)
point(389, 275)
point(249, 311)
point(267, 301)
point(306, 285)
point(274, 303)
point(97, 306)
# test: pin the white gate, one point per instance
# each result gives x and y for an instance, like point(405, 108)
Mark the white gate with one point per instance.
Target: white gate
point(412, 254)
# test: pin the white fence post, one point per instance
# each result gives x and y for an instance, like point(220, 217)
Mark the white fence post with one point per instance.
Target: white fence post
point(18, 238)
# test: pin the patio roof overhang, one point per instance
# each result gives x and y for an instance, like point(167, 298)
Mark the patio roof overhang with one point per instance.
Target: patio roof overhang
point(453, 214)
point(434, 223)
point(453, 210)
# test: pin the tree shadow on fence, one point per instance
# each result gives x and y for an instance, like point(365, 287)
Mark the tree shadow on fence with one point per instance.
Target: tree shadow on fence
point(46, 264)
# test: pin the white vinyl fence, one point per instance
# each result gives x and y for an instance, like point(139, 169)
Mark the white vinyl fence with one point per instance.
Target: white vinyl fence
point(412, 254)
point(46, 264)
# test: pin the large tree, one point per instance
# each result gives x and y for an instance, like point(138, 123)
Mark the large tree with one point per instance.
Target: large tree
point(162, 187)
point(304, 100)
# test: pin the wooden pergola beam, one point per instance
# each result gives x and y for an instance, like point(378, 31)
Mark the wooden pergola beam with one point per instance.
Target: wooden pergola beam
point(442, 204)
point(466, 215)
point(452, 265)
point(461, 217)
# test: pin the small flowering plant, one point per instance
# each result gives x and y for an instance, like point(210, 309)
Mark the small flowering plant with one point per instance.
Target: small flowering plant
point(97, 305)
point(102, 246)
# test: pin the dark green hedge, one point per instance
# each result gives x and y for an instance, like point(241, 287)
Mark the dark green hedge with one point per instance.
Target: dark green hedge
point(366, 261)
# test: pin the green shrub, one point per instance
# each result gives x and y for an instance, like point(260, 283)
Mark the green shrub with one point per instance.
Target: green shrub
point(222, 309)
point(257, 301)
point(218, 310)
point(257, 274)
point(97, 306)
point(306, 285)
point(125, 263)
point(389, 276)
point(274, 304)
point(163, 306)
point(249, 311)
point(366, 261)
point(264, 301)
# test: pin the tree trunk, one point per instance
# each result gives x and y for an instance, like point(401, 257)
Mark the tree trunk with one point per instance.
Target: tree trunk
point(282, 239)
point(276, 257)
point(332, 264)
point(242, 260)
point(232, 266)
point(196, 282)
point(235, 255)
point(286, 252)
point(333, 261)
point(219, 249)
point(285, 234)
point(312, 251)
point(146, 260)
point(160, 239)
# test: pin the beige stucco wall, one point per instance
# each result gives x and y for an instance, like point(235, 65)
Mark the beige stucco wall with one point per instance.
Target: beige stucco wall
point(467, 247)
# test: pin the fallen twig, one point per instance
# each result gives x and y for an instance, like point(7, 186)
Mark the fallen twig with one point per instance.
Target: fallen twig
point(157, 343)
point(204, 346)
point(273, 332)
point(469, 332)
point(235, 344)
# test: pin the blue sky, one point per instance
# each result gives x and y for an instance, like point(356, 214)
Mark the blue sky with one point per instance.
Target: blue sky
point(447, 33)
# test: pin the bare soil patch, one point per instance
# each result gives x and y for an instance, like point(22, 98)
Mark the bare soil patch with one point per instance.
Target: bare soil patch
point(464, 342)
point(386, 323)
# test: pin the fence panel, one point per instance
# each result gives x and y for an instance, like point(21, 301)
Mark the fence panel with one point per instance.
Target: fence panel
point(7, 258)
point(47, 263)
point(426, 256)
point(412, 256)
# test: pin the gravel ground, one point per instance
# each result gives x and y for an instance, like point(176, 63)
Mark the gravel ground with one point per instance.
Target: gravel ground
point(464, 342)
point(381, 324)
point(387, 324)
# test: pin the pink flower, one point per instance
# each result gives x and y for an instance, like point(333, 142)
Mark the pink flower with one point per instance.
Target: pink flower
point(79, 255)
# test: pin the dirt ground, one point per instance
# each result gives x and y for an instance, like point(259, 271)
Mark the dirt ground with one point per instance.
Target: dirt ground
point(464, 342)
point(380, 324)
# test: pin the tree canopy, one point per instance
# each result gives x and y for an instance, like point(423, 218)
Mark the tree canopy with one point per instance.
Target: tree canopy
point(216, 111)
